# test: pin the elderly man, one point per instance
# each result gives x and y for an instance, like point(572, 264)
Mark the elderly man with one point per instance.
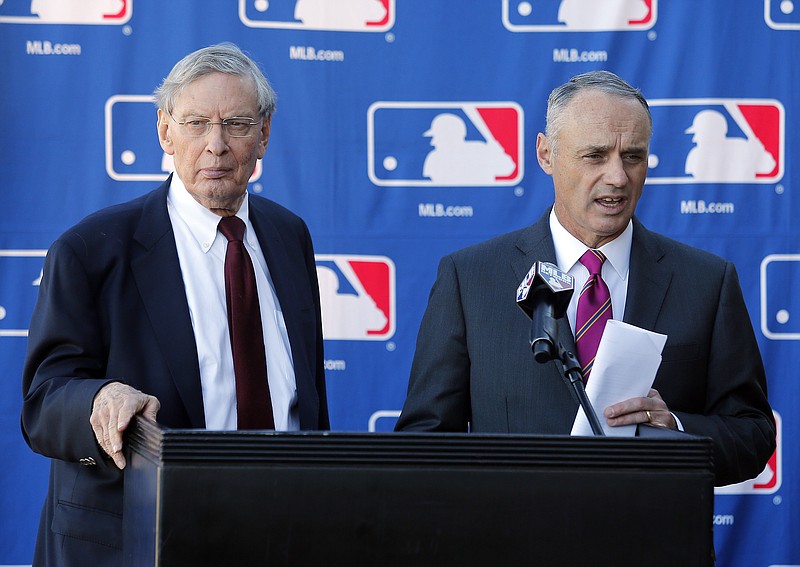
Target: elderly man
point(473, 369)
point(139, 310)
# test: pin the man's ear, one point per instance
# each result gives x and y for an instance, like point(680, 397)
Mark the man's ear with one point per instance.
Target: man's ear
point(164, 137)
point(544, 153)
point(265, 129)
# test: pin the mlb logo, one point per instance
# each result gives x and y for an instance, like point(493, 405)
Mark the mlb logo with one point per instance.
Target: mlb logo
point(525, 287)
point(716, 140)
point(782, 15)
point(780, 306)
point(20, 274)
point(445, 144)
point(331, 15)
point(358, 297)
point(131, 142)
point(770, 479)
point(579, 15)
point(101, 12)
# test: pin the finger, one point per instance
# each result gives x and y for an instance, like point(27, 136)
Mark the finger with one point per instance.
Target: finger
point(653, 394)
point(100, 434)
point(138, 404)
point(150, 410)
point(629, 406)
point(114, 439)
point(119, 460)
point(99, 421)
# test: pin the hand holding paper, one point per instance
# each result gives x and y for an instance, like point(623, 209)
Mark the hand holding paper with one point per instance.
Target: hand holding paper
point(625, 367)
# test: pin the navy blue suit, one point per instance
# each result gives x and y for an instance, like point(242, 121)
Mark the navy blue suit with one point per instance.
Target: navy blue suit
point(112, 307)
point(473, 366)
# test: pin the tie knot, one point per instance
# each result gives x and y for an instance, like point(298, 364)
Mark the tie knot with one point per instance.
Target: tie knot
point(232, 228)
point(593, 260)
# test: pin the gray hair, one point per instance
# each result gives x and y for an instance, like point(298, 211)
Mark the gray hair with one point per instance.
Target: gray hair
point(603, 81)
point(221, 58)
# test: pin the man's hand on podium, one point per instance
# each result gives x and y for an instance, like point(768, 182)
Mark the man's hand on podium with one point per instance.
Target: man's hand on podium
point(114, 406)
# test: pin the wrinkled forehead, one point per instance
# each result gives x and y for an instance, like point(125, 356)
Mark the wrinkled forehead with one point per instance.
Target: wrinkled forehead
point(596, 114)
point(229, 95)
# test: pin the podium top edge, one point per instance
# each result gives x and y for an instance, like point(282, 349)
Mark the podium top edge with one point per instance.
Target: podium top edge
point(159, 444)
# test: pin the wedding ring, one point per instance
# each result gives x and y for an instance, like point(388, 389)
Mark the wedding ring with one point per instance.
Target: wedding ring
point(649, 417)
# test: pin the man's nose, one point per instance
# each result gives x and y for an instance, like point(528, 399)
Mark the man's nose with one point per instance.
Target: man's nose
point(217, 139)
point(615, 174)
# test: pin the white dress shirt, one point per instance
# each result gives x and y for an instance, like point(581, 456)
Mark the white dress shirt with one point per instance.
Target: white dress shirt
point(615, 269)
point(201, 252)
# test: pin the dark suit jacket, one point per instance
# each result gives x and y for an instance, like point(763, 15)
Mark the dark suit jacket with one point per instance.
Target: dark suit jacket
point(473, 366)
point(112, 307)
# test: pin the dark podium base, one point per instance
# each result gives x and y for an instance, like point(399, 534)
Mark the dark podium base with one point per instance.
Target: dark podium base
point(244, 498)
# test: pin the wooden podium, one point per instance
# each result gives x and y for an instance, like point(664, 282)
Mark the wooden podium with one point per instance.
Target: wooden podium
point(195, 497)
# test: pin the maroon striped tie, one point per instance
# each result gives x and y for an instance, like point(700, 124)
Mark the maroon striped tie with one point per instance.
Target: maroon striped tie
point(253, 403)
point(594, 309)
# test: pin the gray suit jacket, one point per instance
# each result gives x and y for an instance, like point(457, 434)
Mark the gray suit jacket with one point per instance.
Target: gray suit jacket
point(473, 368)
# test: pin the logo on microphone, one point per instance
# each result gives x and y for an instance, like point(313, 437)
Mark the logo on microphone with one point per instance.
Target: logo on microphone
point(18, 294)
point(99, 12)
point(780, 306)
point(445, 144)
point(782, 15)
point(131, 148)
point(716, 140)
point(357, 294)
point(340, 15)
point(549, 273)
point(579, 15)
point(770, 479)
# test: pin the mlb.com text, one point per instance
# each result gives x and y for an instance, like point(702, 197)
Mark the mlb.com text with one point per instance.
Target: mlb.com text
point(442, 210)
point(38, 47)
point(567, 55)
point(308, 53)
point(700, 207)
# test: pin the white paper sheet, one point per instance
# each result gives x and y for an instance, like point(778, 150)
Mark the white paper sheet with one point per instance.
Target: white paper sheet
point(626, 364)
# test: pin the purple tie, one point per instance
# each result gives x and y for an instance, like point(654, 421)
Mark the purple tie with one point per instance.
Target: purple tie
point(594, 309)
point(253, 403)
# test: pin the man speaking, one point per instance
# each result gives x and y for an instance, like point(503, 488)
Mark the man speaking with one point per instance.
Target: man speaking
point(473, 369)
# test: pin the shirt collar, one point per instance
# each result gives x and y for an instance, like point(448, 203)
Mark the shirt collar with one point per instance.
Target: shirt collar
point(201, 222)
point(569, 249)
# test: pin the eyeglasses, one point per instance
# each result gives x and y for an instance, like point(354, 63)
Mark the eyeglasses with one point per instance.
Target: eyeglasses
point(236, 127)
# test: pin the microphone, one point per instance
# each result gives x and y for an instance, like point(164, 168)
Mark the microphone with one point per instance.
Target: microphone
point(544, 295)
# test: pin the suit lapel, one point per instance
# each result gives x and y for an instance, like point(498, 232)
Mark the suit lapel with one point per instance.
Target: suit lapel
point(279, 269)
point(648, 280)
point(536, 244)
point(158, 276)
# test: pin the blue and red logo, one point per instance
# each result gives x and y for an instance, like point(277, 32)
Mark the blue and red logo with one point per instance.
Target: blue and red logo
point(358, 297)
point(579, 15)
point(770, 479)
point(445, 144)
point(358, 15)
point(716, 140)
point(100, 12)
point(132, 150)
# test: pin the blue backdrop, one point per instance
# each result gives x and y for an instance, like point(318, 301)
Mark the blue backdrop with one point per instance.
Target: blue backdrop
point(360, 85)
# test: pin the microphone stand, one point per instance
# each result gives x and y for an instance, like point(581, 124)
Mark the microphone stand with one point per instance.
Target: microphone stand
point(543, 348)
point(571, 368)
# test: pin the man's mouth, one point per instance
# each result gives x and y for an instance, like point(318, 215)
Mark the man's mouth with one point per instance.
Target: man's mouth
point(610, 201)
point(213, 173)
